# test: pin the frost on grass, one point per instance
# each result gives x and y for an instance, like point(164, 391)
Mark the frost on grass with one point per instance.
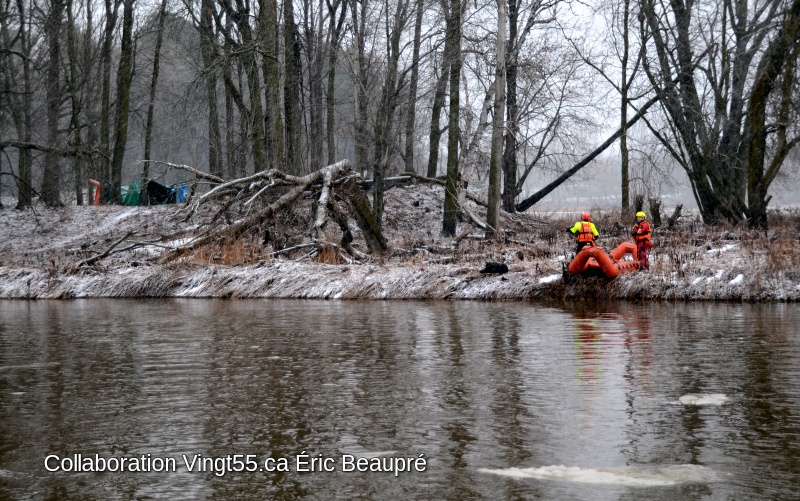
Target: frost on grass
point(40, 251)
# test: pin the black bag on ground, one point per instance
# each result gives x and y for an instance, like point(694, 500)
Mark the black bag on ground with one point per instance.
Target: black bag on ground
point(494, 268)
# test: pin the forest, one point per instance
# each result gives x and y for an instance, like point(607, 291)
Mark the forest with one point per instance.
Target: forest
point(502, 101)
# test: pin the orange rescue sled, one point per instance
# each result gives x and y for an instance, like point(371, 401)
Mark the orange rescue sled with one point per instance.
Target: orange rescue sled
point(593, 261)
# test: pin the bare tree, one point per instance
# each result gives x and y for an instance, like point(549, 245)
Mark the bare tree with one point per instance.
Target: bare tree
point(207, 40)
point(435, 133)
point(388, 104)
point(411, 115)
point(111, 12)
point(536, 15)
point(335, 33)
point(267, 34)
point(292, 84)
point(122, 109)
point(17, 101)
point(453, 128)
point(361, 83)
point(148, 135)
point(315, 49)
point(51, 181)
point(778, 66)
point(76, 101)
point(735, 67)
point(496, 160)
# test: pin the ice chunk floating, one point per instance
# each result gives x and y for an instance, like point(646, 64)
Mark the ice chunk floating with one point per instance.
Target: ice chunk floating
point(704, 399)
point(630, 476)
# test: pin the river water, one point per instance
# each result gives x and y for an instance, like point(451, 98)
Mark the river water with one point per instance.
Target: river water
point(458, 400)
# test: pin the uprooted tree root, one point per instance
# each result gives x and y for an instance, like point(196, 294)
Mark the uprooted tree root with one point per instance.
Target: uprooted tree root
point(245, 209)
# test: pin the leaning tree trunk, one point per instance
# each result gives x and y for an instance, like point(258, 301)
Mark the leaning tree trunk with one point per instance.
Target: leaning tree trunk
point(533, 199)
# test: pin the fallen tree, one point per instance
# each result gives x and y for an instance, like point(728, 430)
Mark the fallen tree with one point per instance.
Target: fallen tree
point(244, 205)
point(533, 199)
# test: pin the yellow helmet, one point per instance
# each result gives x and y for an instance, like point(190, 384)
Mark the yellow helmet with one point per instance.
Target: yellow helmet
point(641, 214)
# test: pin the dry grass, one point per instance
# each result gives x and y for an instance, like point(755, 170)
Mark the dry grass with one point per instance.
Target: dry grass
point(244, 251)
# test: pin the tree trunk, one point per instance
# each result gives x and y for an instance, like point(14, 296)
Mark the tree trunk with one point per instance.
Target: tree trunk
point(291, 89)
point(24, 181)
point(91, 81)
point(148, 135)
point(76, 89)
point(271, 70)
point(412, 88)
point(778, 65)
point(385, 112)
point(123, 101)
point(360, 83)
point(496, 158)
point(316, 57)
point(112, 9)
point(454, 130)
point(623, 139)
point(364, 216)
point(51, 181)
point(330, 97)
point(255, 115)
point(435, 135)
point(512, 113)
point(531, 200)
point(230, 143)
point(209, 59)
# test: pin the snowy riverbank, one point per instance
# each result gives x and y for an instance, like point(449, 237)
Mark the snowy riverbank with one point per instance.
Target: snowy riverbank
point(321, 281)
point(41, 250)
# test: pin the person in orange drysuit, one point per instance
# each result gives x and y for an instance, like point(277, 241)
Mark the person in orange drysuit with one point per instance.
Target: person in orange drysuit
point(641, 235)
point(585, 231)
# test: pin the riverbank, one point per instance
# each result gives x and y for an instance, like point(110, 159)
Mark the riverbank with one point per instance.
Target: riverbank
point(57, 254)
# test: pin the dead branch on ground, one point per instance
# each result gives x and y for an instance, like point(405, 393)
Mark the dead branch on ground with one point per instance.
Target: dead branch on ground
point(252, 200)
point(105, 253)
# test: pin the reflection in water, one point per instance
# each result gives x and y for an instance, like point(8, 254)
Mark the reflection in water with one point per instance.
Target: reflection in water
point(503, 400)
point(587, 342)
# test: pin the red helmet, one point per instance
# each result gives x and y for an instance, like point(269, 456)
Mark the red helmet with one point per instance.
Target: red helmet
point(585, 216)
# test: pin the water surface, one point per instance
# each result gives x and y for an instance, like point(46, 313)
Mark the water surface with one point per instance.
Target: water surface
point(502, 400)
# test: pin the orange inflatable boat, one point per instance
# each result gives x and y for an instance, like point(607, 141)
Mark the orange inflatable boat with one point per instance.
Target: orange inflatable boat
point(593, 261)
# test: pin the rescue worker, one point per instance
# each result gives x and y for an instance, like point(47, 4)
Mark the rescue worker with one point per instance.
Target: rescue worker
point(641, 235)
point(585, 231)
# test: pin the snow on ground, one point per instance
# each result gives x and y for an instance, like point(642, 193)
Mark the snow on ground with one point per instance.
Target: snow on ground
point(40, 250)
